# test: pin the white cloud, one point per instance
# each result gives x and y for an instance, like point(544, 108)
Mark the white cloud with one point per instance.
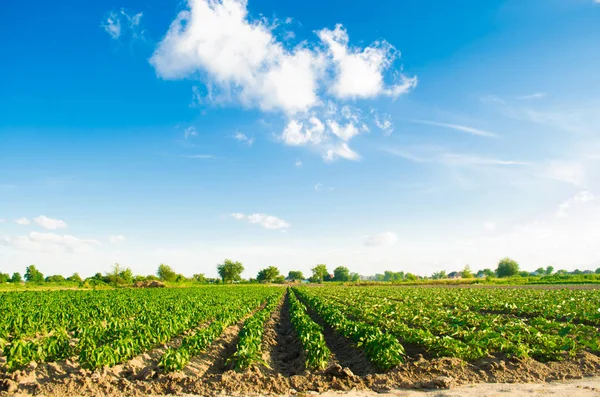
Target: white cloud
point(458, 127)
point(340, 151)
point(266, 221)
point(190, 131)
point(23, 221)
point(297, 133)
point(49, 223)
point(360, 72)
point(298, 163)
point(319, 187)
point(51, 242)
point(435, 154)
point(241, 57)
point(345, 133)
point(489, 226)
point(581, 197)
point(2, 220)
point(243, 138)
point(565, 171)
point(117, 23)
point(383, 122)
point(536, 95)
point(200, 156)
point(119, 238)
point(381, 239)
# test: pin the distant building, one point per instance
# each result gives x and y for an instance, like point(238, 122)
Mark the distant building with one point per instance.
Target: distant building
point(455, 275)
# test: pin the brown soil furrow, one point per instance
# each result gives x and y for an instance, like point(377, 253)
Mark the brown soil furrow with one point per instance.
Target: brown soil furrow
point(282, 348)
point(343, 352)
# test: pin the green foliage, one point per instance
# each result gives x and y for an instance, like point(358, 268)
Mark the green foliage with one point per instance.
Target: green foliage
point(310, 334)
point(467, 273)
point(16, 278)
point(439, 275)
point(75, 278)
point(507, 268)
point(341, 273)
point(4, 278)
point(230, 271)
point(117, 276)
point(410, 277)
point(295, 275)
point(33, 275)
point(57, 278)
point(279, 279)
point(200, 278)
point(166, 273)
point(319, 273)
point(267, 275)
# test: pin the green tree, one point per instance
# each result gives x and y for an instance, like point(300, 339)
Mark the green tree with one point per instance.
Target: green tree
point(267, 275)
point(439, 275)
point(199, 278)
point(57, 278)
point(4, 278)
point(75, 278)
point(549, 270)
point(16, 278)
point(279, 279)
point(118, 275)
point(33, 275)
point(230, 271)
point(319, 273)
point(540, 271)
point(341, 273)
point(295, 275)
point(467, 273)
point(410, 277)
point(166, 273)
point(354, 277)
point(598, 271)
point(507, 268)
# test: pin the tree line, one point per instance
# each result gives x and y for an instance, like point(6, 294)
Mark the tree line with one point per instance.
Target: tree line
point(231, 272)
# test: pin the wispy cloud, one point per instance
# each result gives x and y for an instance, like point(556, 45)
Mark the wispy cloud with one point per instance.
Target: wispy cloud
point(298, 163)
point(572, 172)
point(117, 23)
point(49, 223)
point(243, 138)
point(435, 154)
point(264, 220)
point(536, 95)
point(381, 239)
point(119, 238)
point(581, 197)
point(200, 156)
point(458, 127)
point(190, 131)
point(23, 221)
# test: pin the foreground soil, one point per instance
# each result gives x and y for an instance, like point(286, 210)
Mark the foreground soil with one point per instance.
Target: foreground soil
point(143, 378)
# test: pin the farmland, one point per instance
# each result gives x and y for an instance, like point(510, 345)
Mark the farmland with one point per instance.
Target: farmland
point(273, 339)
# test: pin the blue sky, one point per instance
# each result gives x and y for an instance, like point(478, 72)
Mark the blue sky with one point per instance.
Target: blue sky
point(403, 135)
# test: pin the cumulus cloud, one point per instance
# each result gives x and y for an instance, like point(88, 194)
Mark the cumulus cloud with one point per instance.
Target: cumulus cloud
point(23, 221)
point(243, 138)
point(119, 238)
point(51, 242)
point(266, 221)
point(117, 23)
point(49, 223)
point(242, 60)
point(581, 197)
point(381, 239)
point(359, 73)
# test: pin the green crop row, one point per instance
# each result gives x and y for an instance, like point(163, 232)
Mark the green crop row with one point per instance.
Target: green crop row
point(316, 352)
point(248, 351)
point(381, 348)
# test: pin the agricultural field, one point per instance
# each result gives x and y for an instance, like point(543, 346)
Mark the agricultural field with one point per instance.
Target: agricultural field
point(285, 340)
